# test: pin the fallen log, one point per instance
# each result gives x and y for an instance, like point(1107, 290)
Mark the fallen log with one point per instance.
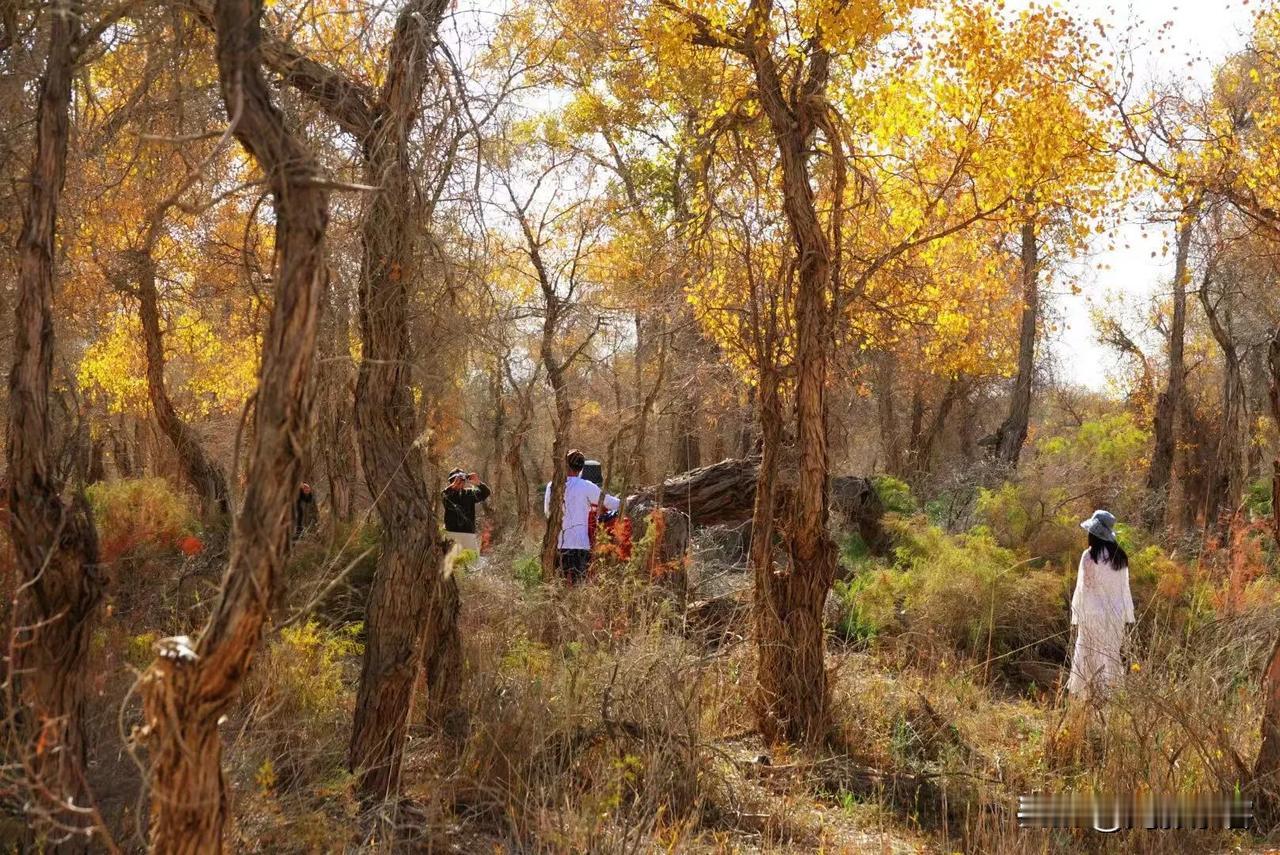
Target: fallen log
point(725, 492)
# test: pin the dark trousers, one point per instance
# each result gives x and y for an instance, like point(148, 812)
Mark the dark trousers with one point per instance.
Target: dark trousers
point(573, 564)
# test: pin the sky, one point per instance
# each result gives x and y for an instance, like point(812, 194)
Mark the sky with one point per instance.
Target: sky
point(1125, 280)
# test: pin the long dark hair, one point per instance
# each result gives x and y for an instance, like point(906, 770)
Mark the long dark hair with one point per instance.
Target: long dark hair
point(1105, 551)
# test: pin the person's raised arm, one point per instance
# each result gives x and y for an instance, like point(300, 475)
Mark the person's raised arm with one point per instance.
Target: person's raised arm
point(611, 503)
point(482, 489)
point(546, 502)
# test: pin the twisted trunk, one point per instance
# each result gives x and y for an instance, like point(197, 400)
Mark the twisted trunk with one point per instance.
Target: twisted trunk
point(791, 675)
point(205, 477)
point(188, 689)
point(54, 543)
point(413, 605)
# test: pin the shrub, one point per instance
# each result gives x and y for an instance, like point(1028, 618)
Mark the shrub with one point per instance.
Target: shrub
point(853, 552)
point(969, 593)
point(1026, 518)
point(1257, 498)
point(866, 606)
point(528, 571)
point(298, 697)
point(140, 517)
point(349, 552)
point(894, 494)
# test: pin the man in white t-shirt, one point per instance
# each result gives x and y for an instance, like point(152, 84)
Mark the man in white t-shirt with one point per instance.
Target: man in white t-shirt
point(580, 498)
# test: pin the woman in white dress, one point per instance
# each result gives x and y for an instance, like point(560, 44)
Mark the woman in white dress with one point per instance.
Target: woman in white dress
point(1100, 609)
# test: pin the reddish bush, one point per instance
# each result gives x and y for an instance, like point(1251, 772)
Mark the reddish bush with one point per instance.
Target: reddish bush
point(140, 515)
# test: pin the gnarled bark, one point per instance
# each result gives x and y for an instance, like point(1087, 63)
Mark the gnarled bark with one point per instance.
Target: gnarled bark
point(413, 606)
point(55, 544)
point(792, 693)
point(791, 675)
point(189, 688)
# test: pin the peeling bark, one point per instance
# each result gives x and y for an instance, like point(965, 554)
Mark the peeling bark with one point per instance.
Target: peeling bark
point(413, 605)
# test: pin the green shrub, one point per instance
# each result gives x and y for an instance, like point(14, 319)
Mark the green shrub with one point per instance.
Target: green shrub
point(1031, 519)
point(853, 552)
point(300, 689)
point(1257, 498)
point(529, 571)
point(1098, 448)
point(866, 606)
point(894, 494)
point(969, 593)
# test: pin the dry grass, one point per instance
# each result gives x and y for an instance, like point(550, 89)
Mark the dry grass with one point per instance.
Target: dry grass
point(598, 720)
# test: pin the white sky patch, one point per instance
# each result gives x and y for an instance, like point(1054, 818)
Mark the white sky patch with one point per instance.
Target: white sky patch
point(1123, 281)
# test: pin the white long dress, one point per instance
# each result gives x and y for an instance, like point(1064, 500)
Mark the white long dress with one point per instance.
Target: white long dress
point(1101, 607)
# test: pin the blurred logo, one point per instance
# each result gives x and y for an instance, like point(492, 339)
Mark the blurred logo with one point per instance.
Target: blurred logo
point(1109, 812)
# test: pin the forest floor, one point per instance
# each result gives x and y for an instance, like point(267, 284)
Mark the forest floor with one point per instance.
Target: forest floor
point(615, 717)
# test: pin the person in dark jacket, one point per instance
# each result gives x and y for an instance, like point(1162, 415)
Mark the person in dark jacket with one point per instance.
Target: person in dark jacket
point(304, 507)
point(464, 492)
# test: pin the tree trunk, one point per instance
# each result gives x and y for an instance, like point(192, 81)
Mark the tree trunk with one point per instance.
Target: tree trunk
point(1195, 442)
point(1224, 482)
point(559, 448)
point(337, 422)
point(725, 493)
point(120, 449)
point(791, 674)
point(55, 545)
point(204, 476)
point(413, 605)
point(493, 469)
point(1165, 422)
point(188, 689)
point(888, 414)
point(769, 622)
point(686, 447)
point(1013, 432)
point(922, 452)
